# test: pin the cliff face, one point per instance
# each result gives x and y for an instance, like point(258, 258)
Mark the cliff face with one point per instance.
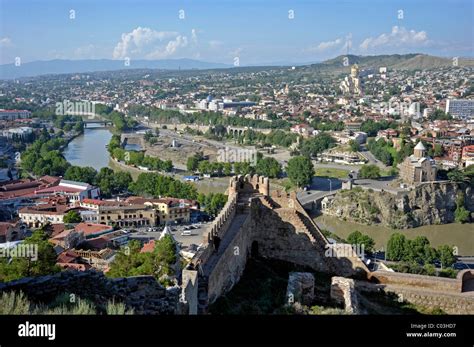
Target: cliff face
point(426, 204)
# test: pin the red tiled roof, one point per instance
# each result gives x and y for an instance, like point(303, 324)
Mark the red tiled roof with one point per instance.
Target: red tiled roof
point(90, 229)
point(148, 247)
point(68, 256)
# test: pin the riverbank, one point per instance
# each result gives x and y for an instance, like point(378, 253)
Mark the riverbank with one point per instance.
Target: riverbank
point(455, 234)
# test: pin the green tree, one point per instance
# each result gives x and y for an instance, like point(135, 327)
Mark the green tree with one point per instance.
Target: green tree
point(268, 167)
point(461, 214)
point(300, 170)
point(456, 175)
point(316, 145)
point(396, 247)
point(42, 262)
point(192, 163)
point(72, 217)
point(354, 145)
point(369, 171)
point(357, 238)
point(81, 174)
point(446, 255)
point(129, 261)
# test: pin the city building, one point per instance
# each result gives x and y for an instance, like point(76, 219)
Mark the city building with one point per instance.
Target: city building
point(119, 213)
point(14, 114)
point(463, 109)
point(418, 167)
point(74, 191)
point(467, 156)
point(168, 210)
point(41, 214)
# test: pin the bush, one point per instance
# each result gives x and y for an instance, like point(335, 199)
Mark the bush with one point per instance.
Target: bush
point(369, 171)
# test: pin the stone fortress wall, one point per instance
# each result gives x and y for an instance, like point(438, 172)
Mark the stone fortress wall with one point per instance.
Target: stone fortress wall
point(256, 221)
point(452, 295)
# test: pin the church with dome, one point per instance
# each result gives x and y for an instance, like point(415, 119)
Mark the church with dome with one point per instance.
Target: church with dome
point(418, 167)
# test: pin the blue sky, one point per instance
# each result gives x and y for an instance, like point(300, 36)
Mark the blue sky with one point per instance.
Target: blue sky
point(255, 31)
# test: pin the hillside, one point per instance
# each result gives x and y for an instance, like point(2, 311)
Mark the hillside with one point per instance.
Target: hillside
point(394, 61)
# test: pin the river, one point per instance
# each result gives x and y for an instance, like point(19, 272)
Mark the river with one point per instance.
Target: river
point(89, 149)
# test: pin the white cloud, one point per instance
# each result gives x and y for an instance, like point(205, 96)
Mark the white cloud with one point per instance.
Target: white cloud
point(139, 40)
point(327, 45)
point(169, 49)
point(5, 42)
point(151, 44)
point(398, 37)
point(215, 43)
point(194, 36)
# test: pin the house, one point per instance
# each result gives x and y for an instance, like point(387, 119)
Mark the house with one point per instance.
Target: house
point(92, 230)
point(168, 210)
point(119, 213)
point(41, 214)
point(467, 157)
point(11, 231)
point(74, 191)
point(303, 129)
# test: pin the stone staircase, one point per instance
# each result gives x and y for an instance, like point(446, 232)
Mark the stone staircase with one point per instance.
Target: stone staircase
point(269, 202)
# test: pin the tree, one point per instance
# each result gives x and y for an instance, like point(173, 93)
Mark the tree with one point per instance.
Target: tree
point(227, 169)
point(357, 238)
point(41, 262)
point(112, 183)
point(446, 255)
point(461, 214)
point(72, 217)
point(268, 167)
point(316, 145)
point(456, 175)
point(81, 174)
point(369, 171)
point(300, 170)
point(212, 203)
point(396, 247)
point(129, 261)
point(192, 163)
point(354, 145)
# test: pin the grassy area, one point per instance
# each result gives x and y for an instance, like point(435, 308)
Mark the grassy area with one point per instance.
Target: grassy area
point(333, 173)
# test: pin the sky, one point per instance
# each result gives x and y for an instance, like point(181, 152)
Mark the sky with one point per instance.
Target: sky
point(253, 31)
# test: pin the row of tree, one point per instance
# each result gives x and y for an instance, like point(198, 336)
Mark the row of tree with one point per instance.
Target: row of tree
point(268, 167)
point(110, 182)
point(418, 250)
point(44, 157)
point(137, 158)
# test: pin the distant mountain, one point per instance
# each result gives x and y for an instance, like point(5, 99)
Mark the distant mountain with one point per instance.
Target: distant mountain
point(60, 66)
point(393, 61)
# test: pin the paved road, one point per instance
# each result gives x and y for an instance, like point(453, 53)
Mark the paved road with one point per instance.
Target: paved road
point(196, 236)
point(370, 157)
point(320, 187)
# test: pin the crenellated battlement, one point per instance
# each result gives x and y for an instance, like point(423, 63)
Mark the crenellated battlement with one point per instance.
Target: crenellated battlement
point(257, 222)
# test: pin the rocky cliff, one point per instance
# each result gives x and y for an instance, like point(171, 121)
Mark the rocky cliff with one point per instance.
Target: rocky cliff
point(427, 204)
